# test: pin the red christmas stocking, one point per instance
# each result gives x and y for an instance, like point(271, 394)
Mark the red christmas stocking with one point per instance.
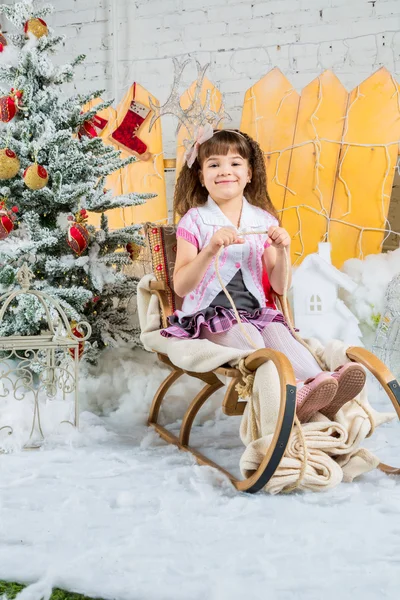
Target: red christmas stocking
point(93, 127)
point(126, 134)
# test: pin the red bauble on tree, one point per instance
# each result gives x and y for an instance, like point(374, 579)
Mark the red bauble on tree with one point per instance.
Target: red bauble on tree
point(78, 236)
point(7, 220)
point(92, 127)
point(9, 105)
point(8, 109)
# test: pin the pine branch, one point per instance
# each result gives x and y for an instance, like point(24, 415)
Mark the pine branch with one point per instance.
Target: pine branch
point(85, 98)
point(20, 12)
point(78, 60)
point(17, 39)
point(130, 230)
point(116, 258)
point(8, 74)
point(43, 237)
point(48, 44)
point(93, 112)
point(121, 237)
point(63, 74)
point(107, 201)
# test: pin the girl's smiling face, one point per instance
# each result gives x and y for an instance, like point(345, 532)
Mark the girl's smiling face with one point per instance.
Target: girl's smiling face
point(225, 176)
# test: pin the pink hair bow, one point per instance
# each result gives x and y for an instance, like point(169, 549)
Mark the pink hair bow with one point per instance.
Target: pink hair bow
point(202, 134)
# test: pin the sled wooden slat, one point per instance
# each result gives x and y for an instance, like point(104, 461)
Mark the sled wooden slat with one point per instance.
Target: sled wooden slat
point(387, 381)
point(388, 469)
point(380, 371)
point(259, 478)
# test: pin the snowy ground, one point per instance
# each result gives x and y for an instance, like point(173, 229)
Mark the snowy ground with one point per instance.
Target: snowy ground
point(112, 511)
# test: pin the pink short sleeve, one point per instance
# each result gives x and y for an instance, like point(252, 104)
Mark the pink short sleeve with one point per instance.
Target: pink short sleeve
point(188, 229)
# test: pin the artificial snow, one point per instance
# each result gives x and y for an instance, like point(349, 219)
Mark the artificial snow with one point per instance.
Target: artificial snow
point(112, 511)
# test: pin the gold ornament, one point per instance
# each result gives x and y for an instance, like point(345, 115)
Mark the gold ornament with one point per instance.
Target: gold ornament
point(9, 163)
point(133, 250)
point(36, 177)
point(36, 26)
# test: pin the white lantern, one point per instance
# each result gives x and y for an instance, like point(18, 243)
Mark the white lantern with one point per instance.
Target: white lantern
point(35, 369)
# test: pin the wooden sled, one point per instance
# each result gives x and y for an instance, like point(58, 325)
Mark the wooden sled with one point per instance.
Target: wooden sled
point(231, 405)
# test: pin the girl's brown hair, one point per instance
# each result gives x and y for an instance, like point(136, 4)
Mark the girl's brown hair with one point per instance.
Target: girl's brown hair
point(190, 193)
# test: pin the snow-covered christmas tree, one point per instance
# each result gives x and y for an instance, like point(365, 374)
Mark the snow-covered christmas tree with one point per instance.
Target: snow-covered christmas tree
point(53, 168)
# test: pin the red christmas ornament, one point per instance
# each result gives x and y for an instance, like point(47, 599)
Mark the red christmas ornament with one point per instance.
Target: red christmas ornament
point(9, 105)
point(7, 220)
point(8, 109)
point(126, 134)
point(92, 127)
point(78, 236)
point(77, 333)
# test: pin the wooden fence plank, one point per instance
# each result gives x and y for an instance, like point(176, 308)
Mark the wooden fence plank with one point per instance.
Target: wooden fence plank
point(365, 177)
point(314, 163)
point(269, 116)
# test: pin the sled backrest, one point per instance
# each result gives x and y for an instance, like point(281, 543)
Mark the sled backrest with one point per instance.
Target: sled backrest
point(161, 240)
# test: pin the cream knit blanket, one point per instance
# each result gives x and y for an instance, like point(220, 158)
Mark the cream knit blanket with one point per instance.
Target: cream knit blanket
point(334, 452)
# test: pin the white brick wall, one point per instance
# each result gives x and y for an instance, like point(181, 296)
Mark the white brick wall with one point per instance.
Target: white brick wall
point(242, 39)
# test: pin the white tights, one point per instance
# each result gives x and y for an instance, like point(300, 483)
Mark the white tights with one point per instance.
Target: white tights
point(275, 336)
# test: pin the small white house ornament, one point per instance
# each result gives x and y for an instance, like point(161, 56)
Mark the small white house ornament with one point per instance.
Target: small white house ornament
point(318, 310)
point(36, 370)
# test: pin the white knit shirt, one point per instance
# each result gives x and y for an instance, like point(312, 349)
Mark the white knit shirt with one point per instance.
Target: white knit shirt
point(199, 224)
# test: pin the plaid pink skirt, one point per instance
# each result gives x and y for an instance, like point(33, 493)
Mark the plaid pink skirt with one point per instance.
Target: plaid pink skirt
point(218, 320)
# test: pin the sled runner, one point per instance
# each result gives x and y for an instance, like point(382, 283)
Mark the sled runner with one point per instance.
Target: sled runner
point(162, 242)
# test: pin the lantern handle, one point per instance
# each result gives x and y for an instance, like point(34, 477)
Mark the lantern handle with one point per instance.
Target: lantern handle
point(24, 277)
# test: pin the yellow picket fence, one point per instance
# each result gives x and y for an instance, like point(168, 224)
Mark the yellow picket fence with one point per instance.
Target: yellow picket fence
point(330, 157)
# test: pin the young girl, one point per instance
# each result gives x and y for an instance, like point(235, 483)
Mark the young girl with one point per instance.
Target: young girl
point(221, 192)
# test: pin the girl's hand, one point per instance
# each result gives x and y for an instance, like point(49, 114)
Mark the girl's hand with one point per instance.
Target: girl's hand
point(278, 237)
point(223, 237)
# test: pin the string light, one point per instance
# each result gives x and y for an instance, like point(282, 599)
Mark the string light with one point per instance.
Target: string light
point(316, 142)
